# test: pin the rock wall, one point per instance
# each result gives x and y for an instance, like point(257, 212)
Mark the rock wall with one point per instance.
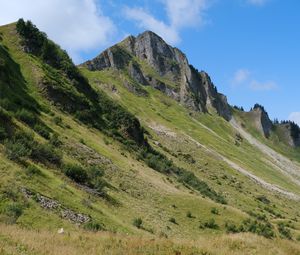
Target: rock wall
point(193, 89)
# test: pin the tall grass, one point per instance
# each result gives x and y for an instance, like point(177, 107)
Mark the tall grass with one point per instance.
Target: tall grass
point(15, 240)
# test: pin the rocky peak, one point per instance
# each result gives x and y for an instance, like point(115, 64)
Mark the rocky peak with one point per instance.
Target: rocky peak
point(191, 88)
point(290, 132)
point(261, 120)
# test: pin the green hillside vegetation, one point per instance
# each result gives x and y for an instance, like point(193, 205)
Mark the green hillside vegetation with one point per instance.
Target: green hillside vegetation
point(80, 151)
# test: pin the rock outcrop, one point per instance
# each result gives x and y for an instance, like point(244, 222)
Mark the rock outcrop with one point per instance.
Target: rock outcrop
point(290, 133)
point(261, 120)
point(168, 65)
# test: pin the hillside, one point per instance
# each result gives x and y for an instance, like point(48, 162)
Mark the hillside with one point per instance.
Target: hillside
point(138, 143)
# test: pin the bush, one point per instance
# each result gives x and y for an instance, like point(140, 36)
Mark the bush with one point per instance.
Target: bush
point(76, 173)
point(3, 133)
point(16, 150)
point(214, 210)
point(93, 226)
point(27, 117)
point(137, 222)
point(42, 130)
point(190, 179)
point(173, 220)
point(284, 231)
point(57, 120)
point(160, 163)
point(54, 141)
point(99, 185)
point(210, 224)
point(5, 124)
point(263, 199)
point(95, 172)
point(189, 214)
point(32, 170)
point(231, 228)
point(46, 153)
point(14, 211)
point(263, 228)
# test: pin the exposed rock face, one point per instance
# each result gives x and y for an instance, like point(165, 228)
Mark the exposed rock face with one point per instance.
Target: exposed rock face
point(290, 133)
point(261, 120)
point(191, 88)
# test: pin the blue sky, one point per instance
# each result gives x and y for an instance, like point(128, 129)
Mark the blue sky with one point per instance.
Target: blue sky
point(250, 48)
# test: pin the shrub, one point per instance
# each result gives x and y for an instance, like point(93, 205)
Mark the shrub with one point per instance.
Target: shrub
point(231, 228)
point(54, 141)
point(137, 222)
point(210, 224)
point(93, 226)
point(263, 228)
point(284, 231)
point(3, 133)
point(260, 228)
point(214, 210)
point(46, 153)
point(189, 214)
point(32, 170)
point(160, 163)
point(190, 179)
point(263, 199)
point(99, 185)
point(42, 130)
point(173, 220)
point(26, 116)
point(95, 172)
point(16, 150)
point(5, 124)
point(14, 211)
point(76, 173)
point(57, 120)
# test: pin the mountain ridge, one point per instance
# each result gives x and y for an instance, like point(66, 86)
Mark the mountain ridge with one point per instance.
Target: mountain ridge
point(193, 89)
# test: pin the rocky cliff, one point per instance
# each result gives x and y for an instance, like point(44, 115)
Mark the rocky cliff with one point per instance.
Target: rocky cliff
point(289, 132)
point(261, 120)
point(150, 61)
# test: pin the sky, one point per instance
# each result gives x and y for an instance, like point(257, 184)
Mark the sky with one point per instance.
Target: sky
point(250, 48)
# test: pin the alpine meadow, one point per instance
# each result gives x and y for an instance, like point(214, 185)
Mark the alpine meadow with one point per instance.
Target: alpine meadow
point(135, 151)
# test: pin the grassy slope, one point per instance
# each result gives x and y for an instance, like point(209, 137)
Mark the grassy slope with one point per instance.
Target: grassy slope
point(274, 141)
point(139, 180)
point(16, 241)
point(157, 110)
point(138, 191)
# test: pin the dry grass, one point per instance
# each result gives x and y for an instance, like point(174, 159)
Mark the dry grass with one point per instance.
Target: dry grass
point(14, 240)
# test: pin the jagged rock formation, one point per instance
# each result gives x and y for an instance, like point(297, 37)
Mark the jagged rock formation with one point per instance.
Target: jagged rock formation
point(170, 72)
point(260, 119)
point(290, 133)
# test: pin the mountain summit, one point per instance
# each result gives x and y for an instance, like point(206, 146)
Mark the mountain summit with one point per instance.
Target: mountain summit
point(149, 60)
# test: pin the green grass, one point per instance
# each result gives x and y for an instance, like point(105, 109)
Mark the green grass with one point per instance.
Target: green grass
point(135, 190)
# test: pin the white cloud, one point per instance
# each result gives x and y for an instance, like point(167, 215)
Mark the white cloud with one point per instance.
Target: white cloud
point(244, 77)
point(181, 14)
point(295, 116)
point(268, 85)
point(257, 2)
point(146, 21)
point(77, 25)
point(240, 76)
point(185, 13)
